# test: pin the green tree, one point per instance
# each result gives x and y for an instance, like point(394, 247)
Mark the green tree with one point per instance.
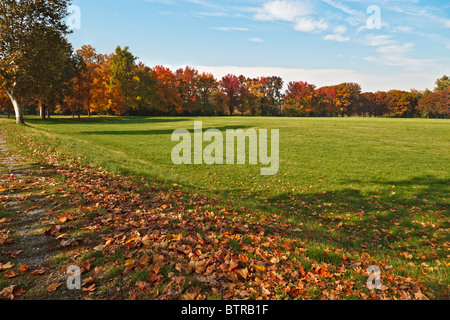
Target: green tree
point(26, 28)
point(124, 82)
point(442, 84)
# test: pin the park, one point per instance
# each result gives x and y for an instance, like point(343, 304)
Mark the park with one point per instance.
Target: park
point(121, 181)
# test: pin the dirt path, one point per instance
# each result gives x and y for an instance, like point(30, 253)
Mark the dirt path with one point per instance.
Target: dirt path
point(24, 215)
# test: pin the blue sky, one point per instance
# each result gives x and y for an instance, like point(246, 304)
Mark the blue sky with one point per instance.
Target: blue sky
point(323, 42)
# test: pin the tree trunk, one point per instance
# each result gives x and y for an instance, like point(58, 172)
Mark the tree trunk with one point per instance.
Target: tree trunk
point(16, 105)
point(42, 112)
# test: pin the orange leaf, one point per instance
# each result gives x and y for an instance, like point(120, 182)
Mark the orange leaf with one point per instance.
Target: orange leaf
point(90, 289)
point(11, 274)
point(142, 285)
point(53, 287)
point(24, 268)
point(38, 272)
point(260, 268)
point(88, 281)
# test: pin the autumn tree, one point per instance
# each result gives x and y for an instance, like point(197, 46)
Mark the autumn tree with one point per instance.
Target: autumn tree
point(444, 103)
point(79, 89)
point(27, 29)
point(123, 81)
point(90, 79)
point(231, 85)
point(329, 101)
point(187, 80)
point(168, 99)
point(100, 92)
point(273, 96)
point(401, 103)
point(5, 103)
point(429, 105)
point(207, 87)
point(300, 99)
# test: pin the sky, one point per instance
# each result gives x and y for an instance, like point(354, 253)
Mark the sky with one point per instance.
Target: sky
point(382, 45)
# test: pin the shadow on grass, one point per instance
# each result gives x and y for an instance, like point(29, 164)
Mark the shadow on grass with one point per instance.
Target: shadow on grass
point(155, 132)
point(103, 120)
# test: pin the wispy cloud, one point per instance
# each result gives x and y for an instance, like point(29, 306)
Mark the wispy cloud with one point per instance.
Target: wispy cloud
point(284, 10)
point(230, 29)
point(310, 25)
point(338, 34)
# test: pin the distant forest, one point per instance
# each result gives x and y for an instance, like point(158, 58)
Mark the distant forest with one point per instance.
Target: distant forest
point(116, 84)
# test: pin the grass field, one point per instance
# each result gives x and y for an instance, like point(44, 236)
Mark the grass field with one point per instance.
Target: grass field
point(375, 186)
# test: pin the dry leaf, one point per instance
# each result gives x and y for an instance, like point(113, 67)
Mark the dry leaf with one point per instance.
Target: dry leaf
point(90, 289)
point(24, 268)
point(5, 266)
point(38, 272)
point(11, 274)
point(100, 247)
point(53, 287)
point(7, 293)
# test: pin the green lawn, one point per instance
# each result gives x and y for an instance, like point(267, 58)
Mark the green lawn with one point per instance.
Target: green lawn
point(379, 186)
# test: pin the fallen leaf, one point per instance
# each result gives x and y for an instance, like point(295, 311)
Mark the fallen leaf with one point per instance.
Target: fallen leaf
point(14, 253)
point(100, 247)
point(189, 296)
point(24, 268)
point(260, 268)
point(90, 289)
point(5, 266)
point(38, 272)
point(243, 273)
point(142, 285)
point(11, 274)
point(158, 260)
point(88, 281)
point(7, 293)
point(53, 287)
point(66, 243)
point(129, 263)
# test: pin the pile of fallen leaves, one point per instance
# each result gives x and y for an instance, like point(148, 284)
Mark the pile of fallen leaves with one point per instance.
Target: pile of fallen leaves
point(135, 240)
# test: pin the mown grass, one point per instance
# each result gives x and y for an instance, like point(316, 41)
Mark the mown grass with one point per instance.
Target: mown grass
point(379, 186)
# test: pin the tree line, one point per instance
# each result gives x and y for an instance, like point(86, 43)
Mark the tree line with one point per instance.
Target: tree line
point(40, 72)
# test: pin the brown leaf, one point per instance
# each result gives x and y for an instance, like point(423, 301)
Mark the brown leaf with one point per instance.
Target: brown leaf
point(189, 296)
point(142, 285)
point(7, 293)
point(85, 266)
point(158, 260)
point(53, 287)
point(88, 281)
point(18, 291)
point(11, 274)
point(14, 253)
point(66, 243)
point(38, 272)
point(90, 289)
point(243, 273)
point(5, 220)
